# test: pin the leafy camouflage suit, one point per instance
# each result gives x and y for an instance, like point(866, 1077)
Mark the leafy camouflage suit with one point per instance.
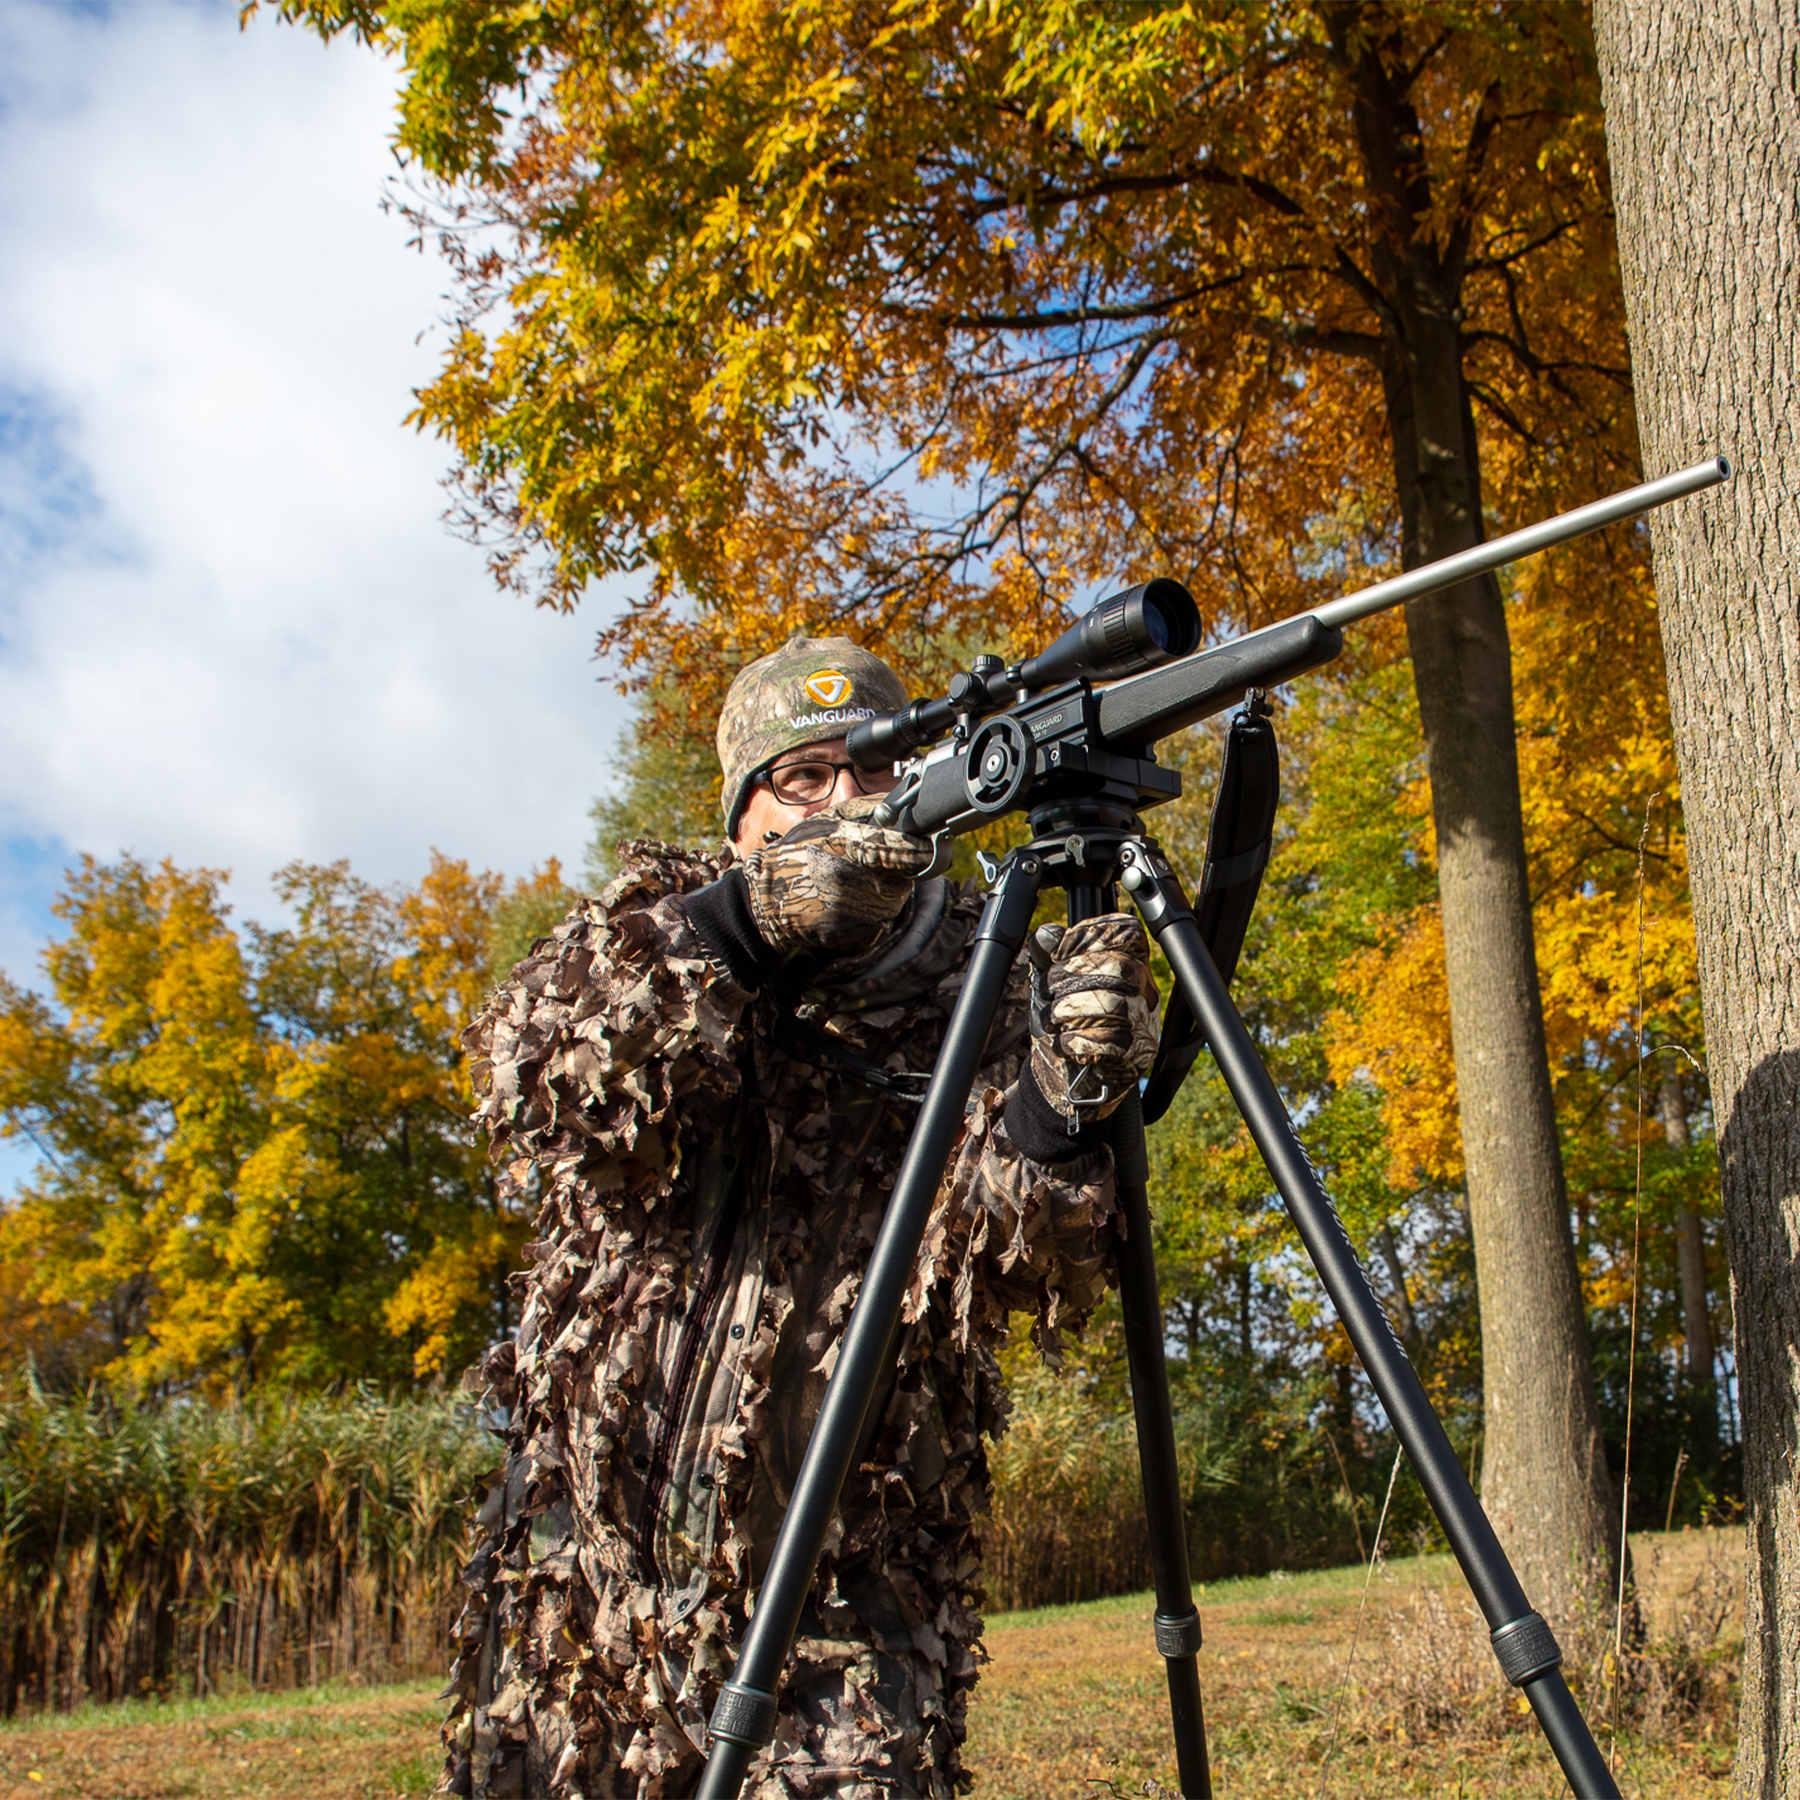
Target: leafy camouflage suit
point(711, 1178)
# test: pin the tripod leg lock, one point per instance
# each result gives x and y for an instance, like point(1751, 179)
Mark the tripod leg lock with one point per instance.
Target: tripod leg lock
point(1526, 1648)
point(1178, 1634)
point(1151, 883)
point(743, 1715)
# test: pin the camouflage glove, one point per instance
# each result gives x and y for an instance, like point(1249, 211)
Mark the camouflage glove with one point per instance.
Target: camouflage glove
point(1093, 1014)
point(834, 883)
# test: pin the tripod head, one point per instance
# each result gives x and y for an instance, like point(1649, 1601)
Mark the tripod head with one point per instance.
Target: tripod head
point(1040, 737)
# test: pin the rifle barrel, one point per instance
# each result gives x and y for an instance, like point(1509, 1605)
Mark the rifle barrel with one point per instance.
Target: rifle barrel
point(1137, 711)
point(1480, 558)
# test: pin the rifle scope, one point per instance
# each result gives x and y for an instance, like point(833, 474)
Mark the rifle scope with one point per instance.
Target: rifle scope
point(1154, 622)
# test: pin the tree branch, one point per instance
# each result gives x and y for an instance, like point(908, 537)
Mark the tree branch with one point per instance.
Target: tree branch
point(1530, 247)
point(1474, 156)
point(1058, 317)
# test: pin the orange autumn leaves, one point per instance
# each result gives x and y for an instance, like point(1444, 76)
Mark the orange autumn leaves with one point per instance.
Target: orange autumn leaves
point(1597, 786)
point(925, 313)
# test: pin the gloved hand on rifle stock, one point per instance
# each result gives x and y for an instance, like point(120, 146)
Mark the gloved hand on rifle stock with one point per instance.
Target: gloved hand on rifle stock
point(834, 883)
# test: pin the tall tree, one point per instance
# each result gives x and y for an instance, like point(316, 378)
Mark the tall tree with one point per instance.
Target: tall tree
point(1606, 856)
point(255, 1163)
point(665, 784)
point(1703, 127)
point(904, 307)
point(1544, 1477)
point(147, 1086)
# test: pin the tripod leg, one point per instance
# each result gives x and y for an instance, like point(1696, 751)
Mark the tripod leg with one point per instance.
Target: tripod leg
point(1526, 1649)
point(1177, 1623)
point(744, 1718)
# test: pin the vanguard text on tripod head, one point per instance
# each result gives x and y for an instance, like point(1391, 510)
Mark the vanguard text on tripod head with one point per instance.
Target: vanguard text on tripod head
point(1078, 760)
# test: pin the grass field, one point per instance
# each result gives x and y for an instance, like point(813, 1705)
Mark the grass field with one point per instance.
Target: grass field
point(1073, 1703)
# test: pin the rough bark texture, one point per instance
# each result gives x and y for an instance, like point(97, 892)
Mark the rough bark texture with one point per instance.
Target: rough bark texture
point(1703, 126)
point(1545, 1480)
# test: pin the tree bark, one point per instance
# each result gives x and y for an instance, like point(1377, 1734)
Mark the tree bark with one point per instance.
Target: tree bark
point(1703, 127)
point(1545, 1481)
point(1699, 1350)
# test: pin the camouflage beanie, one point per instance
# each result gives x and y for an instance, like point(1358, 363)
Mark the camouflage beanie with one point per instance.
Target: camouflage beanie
point(809, 690)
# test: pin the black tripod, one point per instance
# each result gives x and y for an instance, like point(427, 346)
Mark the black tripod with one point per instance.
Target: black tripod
point(1091, 848)
point(1038, 738)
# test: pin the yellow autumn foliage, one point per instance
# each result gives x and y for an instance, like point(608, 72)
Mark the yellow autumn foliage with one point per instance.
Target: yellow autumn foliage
point(255, 1157)
point(1610, 906)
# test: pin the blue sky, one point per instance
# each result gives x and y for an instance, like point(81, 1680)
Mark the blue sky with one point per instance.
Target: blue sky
point(233, 629)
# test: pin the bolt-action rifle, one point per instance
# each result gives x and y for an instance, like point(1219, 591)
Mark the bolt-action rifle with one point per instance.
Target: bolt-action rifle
point(1008, 730)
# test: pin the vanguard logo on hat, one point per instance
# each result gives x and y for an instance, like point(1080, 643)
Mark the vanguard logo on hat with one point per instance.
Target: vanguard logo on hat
point(809, 690)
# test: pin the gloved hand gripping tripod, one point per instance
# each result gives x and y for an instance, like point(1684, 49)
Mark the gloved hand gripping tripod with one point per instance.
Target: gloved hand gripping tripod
point(1040, 739)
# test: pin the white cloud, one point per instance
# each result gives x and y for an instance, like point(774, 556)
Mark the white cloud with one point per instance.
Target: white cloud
point(232, 628)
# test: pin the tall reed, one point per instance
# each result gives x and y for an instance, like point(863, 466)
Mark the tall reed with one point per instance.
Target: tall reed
point(1260, 1489)
point(1067, 1519)
point(193, 1547)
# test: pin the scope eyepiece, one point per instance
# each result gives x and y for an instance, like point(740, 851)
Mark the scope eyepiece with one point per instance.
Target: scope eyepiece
point(875, 743)
point(1145, 625)
point(1151, 623)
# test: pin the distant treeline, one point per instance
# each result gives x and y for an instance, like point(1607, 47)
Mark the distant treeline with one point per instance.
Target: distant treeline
point(255, 1162)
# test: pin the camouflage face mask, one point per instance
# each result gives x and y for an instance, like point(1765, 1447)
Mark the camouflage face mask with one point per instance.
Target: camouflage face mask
point(808, 691)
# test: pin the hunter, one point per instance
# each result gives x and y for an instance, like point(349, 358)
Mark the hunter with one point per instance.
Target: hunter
point(705, 1081)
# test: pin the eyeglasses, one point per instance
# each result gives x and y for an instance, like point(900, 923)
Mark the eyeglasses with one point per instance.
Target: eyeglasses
point(815, 778)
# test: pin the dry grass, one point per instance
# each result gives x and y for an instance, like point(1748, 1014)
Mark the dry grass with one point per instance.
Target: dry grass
point(1075, 1702)
point(1072, 1705)
point(1674, 1683)
point(335, 1742)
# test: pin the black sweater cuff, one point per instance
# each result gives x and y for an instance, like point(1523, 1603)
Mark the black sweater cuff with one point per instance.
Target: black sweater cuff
point(1039, 1131)
point(720, 915)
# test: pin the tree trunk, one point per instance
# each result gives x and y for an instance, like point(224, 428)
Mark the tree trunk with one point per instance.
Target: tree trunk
point(1545, 1480)
point(1703, 126)
point(1696, 1317)
point(1701, 1397)
point(1389, 1247)
point(1544, 1476)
